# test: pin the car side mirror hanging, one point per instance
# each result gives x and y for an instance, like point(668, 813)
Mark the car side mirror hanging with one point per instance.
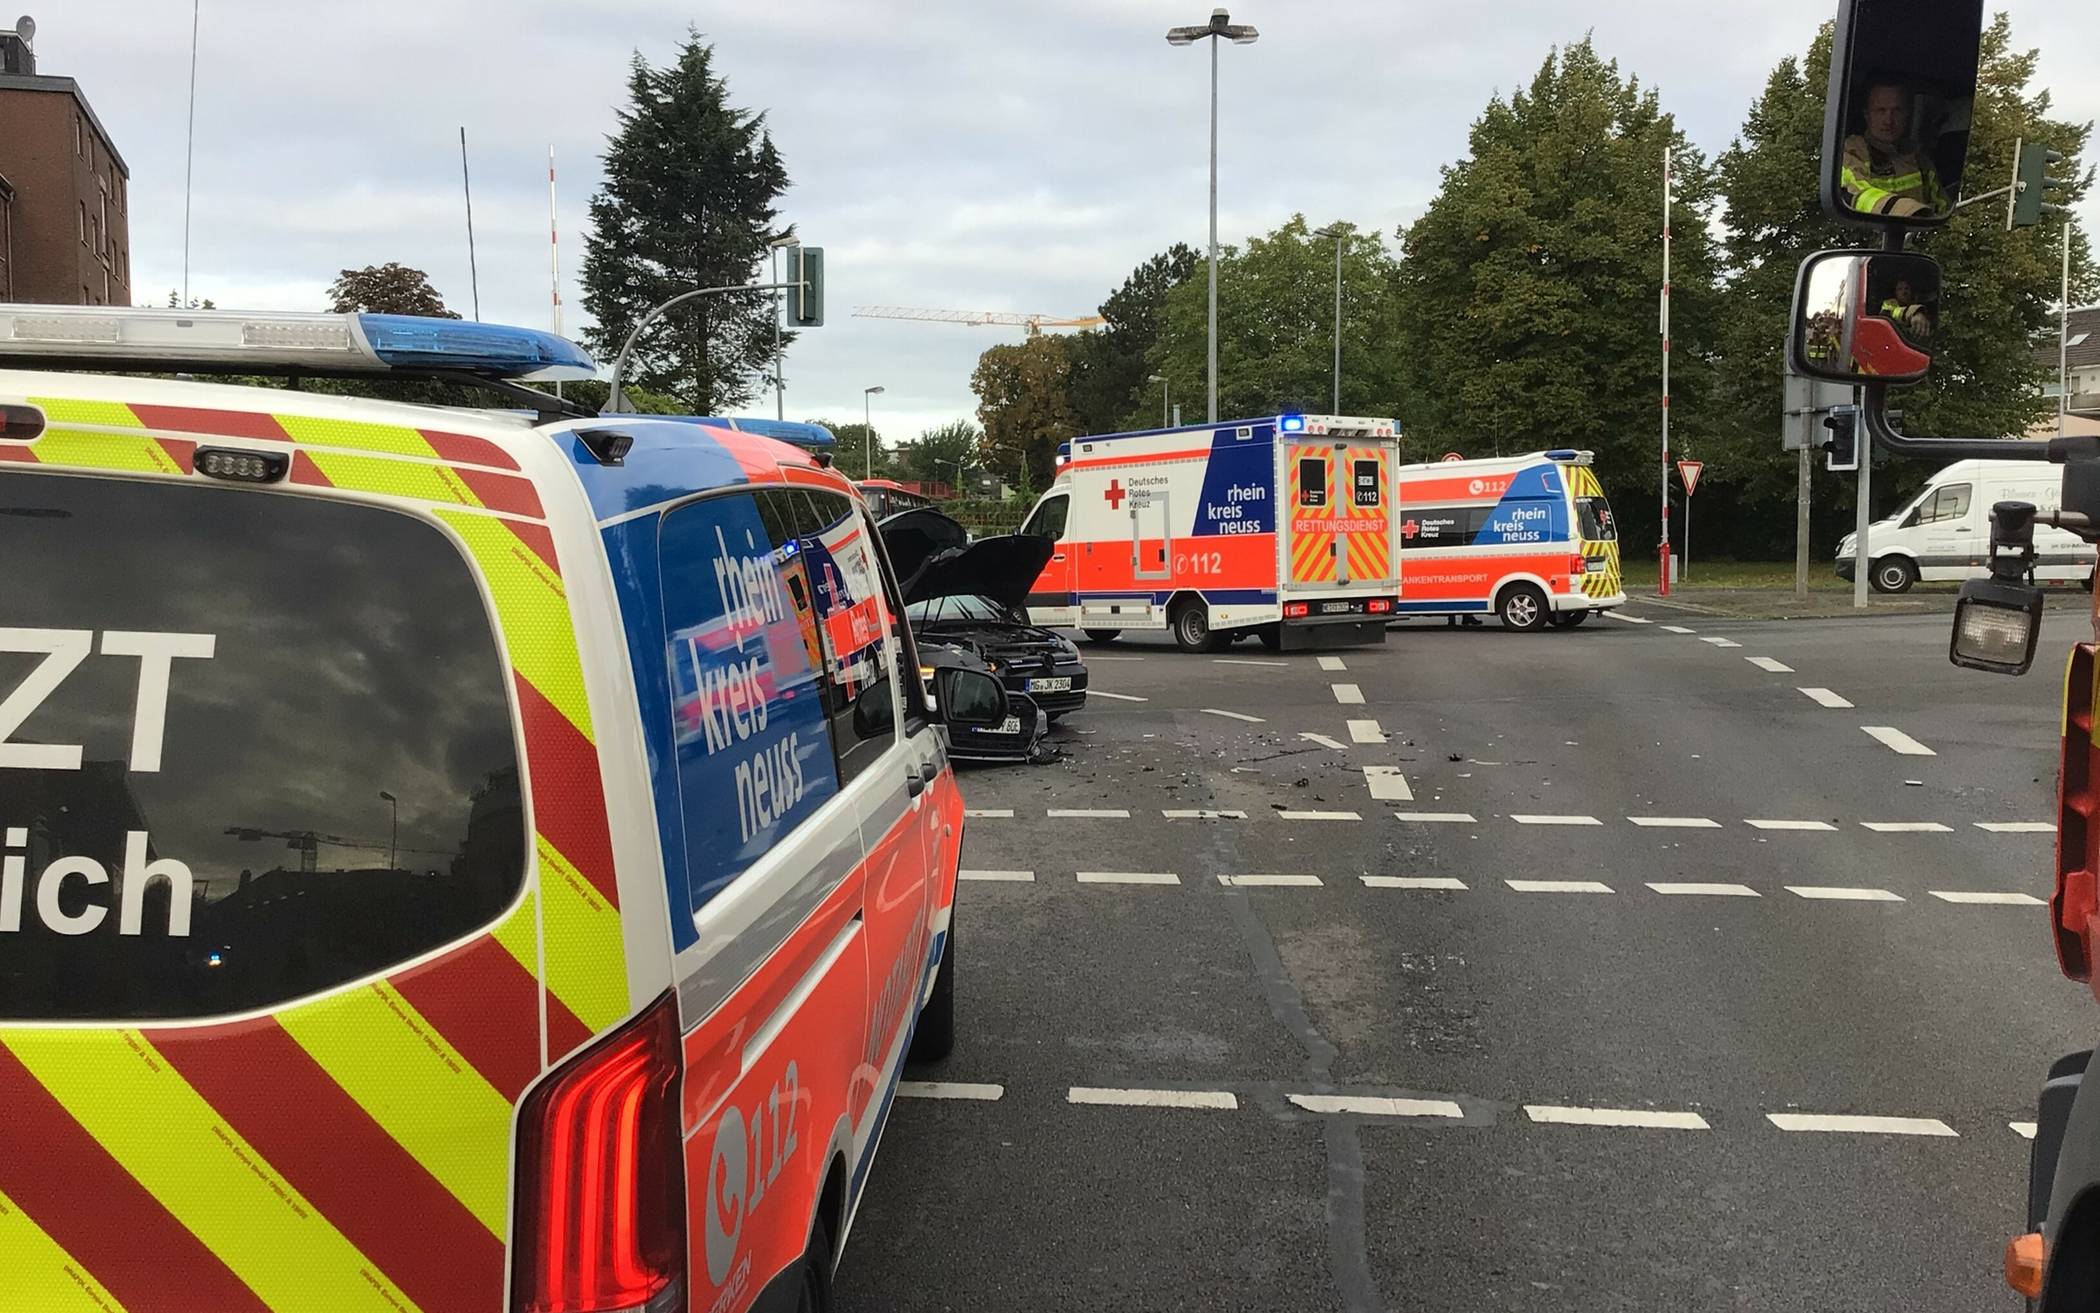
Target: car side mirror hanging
point(969, 697)
point(1901, 104)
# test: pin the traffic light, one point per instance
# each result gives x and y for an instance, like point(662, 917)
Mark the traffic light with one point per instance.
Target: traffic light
point(1843, 445)
point(805, 303)
point(2030, 202)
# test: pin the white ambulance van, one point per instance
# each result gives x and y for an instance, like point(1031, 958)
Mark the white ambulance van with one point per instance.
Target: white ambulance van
point(1279, 528)
point(1944, 533)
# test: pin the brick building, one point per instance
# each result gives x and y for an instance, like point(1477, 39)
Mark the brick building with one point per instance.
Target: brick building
point(65, 192)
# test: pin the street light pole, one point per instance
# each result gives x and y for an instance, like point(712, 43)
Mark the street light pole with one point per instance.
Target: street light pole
point(1220, 25)
point(1161, 379)
point(867, 428)
point(393, 839)
point(1340, 234)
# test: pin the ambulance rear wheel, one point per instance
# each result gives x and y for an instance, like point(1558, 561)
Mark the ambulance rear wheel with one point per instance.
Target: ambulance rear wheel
point(1103, 635)
point(812, 1282)
point(1522, 607)
point(1569, 619)
point(1192, 631)
point(1270, 637)
point(934, 1037)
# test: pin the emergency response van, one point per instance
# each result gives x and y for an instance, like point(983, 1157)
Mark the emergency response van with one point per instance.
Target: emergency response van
point(453, 859)
point(1529, 538)
point(1280, 528)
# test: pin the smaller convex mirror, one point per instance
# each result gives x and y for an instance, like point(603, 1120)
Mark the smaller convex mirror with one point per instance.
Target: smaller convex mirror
point(969, 697)
point(1897, 117)
point(1863, 317)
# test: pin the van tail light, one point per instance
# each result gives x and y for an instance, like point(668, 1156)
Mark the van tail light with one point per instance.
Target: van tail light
point(1380, 605)
point(1296, 610)
point(1578, 564)
point(601, 1178)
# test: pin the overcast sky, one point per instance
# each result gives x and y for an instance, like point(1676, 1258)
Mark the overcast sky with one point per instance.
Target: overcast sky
point(946, 153)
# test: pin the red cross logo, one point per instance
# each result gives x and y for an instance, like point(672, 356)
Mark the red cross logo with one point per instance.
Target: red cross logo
point(1410, 529)
point(1115, 493)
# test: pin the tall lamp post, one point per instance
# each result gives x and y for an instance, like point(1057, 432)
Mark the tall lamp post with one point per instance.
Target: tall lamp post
point(1160, 379)
point(393, 840)
point(1340, 233)
point(867, 426)
point(778, 244)
point(1240, 34)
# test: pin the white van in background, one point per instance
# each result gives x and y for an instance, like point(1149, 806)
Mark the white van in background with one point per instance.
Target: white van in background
point(1945, 531)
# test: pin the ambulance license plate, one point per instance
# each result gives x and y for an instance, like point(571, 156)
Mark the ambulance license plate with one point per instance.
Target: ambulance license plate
point(1011, 725)
point(1338, 608)
point(1059, 684)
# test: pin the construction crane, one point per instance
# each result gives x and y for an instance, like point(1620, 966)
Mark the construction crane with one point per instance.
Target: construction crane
point(307, 844)
point(1033, 323)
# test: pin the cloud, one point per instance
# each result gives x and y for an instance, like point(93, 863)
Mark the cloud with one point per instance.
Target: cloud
point(947, 154)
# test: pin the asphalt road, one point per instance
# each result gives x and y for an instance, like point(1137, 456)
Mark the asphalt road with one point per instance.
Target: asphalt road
point(1455, 1050)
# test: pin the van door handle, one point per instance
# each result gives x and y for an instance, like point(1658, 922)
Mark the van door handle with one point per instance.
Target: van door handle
point(1965, 529)
point(1057, 556)
point(913, 783)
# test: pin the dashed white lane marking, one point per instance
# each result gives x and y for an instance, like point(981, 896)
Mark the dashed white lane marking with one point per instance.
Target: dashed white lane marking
point(1128, 877)
point(947, 1089)
point(1721, 642)
point(1371, 1105)
point(989, 813)
point(1115, 658)
point(1332, 663)
point(1840, 893)
point(1678, 629)
point(1437, 818)
point(1332, 745)
point(1234, 715)
point(1559, 886)
point(2017, 827)
point(1221, 1100)
point(1896, 741)
point(2025, 1130)
point(1317, 816)
point(1556, 820)
point(1243, 661)
point(1629, 619)
point(1366, 731)
point(1203, 814)
point(1697, 887)
point(1823, 697)
point(1768, 664)
point(1411, 882)
point(1674, 822)
point(1974, 896)
point(998, 877)
point(1805, 1121)
point(1349, 695)
point(1271, 881)
point(1566, 1116)
point(1387, 784)
point(1791, 825)
point(1907, 827)
point(1119, 697)
point(1089, 814)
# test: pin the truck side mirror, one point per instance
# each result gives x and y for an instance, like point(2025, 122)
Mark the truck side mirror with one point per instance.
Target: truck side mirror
point(1897, 117)
point(1863, 317)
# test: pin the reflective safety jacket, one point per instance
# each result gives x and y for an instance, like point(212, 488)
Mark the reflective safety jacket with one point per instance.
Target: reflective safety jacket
point(1889, 182)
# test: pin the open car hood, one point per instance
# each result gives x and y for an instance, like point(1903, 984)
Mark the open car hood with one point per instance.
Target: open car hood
point(934, 557)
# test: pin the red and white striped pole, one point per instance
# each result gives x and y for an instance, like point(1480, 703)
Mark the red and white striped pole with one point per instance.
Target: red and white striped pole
point(1665, 316)
point(553, 242)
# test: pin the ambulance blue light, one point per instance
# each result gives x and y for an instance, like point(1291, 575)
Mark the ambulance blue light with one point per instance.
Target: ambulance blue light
point(797, 432)
point(1292, 424)
point(414, 342)
point(1561, 453)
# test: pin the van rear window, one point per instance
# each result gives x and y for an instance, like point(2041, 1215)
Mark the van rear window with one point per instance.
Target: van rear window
point(1593, 520)
point(252, 746)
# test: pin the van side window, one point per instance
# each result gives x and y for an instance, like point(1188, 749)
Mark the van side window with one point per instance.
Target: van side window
point(1949, 503)
point(837, 552)
point(747, 695)
point(1049, 519)
point(1364, 483)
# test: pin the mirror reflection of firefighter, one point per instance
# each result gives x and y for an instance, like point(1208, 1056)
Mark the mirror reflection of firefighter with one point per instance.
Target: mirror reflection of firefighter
point(1884, 171)
point(1912, 317)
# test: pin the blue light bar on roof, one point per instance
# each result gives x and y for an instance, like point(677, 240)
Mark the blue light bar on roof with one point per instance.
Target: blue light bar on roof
point(1292, 423)
point(173, 339)
point(795, 431)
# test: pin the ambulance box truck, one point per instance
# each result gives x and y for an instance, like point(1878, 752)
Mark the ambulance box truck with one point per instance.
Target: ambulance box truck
point(1281, 528)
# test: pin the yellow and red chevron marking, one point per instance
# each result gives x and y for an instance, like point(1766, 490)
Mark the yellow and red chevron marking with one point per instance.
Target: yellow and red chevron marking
point(350, 1153)
point(1583, 482)
point(305, 430)
point(1312, 520)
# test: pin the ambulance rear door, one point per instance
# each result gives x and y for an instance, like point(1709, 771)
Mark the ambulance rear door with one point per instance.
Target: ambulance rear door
point(1339, 532)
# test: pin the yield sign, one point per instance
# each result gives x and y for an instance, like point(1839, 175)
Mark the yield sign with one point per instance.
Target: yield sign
point(1688, 470)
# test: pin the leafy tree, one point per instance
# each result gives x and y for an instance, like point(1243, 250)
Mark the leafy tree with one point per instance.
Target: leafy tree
point(1110, 365)
point(386, 289)
point(175, 302)
point(592, 392)
point(1276, 329)
point(851, 455)
point(934, 458)
point(1529, 288)
point(688, 202)
point(1024, 401)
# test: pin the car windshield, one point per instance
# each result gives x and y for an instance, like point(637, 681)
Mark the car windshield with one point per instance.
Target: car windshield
point(958, 607)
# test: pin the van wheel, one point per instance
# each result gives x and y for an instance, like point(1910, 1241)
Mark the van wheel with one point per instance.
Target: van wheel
point(1192, 631)
point(1569, 619)
point(935, 1037)
point(2089, 581)
point(1270, 637)
point(1894, 574)
point(812, 1288)
point(1522, 607)
point(1103, 635)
